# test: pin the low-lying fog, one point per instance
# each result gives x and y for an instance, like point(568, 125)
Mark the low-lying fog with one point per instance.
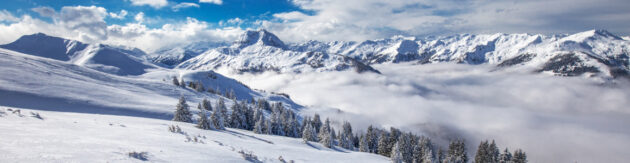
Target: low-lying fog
point(554, 119)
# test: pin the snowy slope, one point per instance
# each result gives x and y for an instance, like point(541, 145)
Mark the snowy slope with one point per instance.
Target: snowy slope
point(42, 83)
point(105, 58)
point(259, 51)
point(76, 137)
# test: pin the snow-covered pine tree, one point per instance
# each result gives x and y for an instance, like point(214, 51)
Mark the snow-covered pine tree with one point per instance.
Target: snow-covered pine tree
point(182, 83)
point(268, 127)
point(305, 120)
point(182, 113)
point(324, 130)
point(363, 144)
point(218, 119)
point(345, 140)
point(423, 151)
point(205, 104)
point(317, 123)
point(483, 155)
point(394, 133)
point(383, 141)
point(397, 154)
point(327, 138)
point(457, 152)
point(505, 157)
point(519, 156)
point(295, 128)
point(494, 152)
point(308, 134)
point(204, 123)
point(222, 109)
point(259, 128)
point(237, 118)
point(372, 139)
point(175, 81)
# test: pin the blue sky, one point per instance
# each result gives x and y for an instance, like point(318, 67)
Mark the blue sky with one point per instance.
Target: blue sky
point(210, 12)
point(152, 24)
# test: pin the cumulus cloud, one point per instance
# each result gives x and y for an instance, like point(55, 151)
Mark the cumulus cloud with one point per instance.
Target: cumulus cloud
point(184, 5)
point(359, 20)
point(88, 21)
point(139, 17)
point(152, 3)
point(217, 2)
point(150, 39)
point(44, 11)
point(555, 119)
point(119, 15)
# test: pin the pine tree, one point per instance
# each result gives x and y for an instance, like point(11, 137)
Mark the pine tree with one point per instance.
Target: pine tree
point(205, 104)
point(383, 143)
point(483, 154)
point(345, 140)
point(175, 81)
point(182, 113)
point(519, 156)
point(457, 152)
point(372, 140)
point(494, 152)
point(324, 130)
point(259, 128)
point(363, 144)
point(222, 109)
point(308, 134)
point(204, 123)
point(505, 157)
point(317, 123)
point(397, 154)
point(327, 139)
point(217, 119)
point(423, 151)
point(182, 83)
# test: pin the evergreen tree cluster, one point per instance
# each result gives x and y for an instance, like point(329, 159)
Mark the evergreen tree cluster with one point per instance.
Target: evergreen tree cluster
point(274, 119)
point(489, 153)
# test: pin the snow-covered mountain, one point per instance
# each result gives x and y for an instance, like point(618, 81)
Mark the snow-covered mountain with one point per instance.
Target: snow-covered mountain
point(596, 52)
point(172, 56)
point(105, 58)
point(258, 51)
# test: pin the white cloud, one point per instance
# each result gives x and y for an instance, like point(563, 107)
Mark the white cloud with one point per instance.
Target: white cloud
point(44, 11)
point(359, 20)
point(184, 5)
point(139, 17)
point(192, 30)
point(119, 15)
point(152, 3)
point(544, 115)
point(88, 21)
point(217, 2)
point(86, 24)
point(7, 16)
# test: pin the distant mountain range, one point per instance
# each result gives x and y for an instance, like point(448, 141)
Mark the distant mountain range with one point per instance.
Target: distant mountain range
point(592, 53)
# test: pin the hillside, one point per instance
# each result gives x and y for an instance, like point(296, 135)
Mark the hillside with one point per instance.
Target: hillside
point(77, 137)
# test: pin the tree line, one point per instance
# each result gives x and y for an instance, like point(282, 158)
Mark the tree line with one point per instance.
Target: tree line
point(262, 117)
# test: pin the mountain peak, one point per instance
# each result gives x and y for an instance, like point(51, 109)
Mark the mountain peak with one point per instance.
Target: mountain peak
point(262, 37)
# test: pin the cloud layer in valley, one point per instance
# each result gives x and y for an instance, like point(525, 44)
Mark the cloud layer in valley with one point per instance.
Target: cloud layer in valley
point(554, 119)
